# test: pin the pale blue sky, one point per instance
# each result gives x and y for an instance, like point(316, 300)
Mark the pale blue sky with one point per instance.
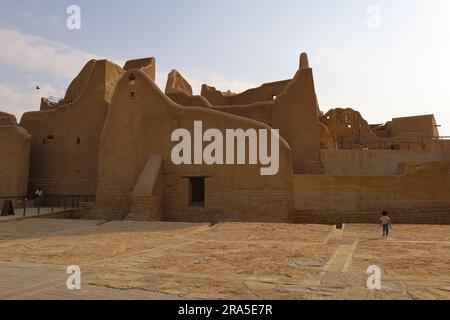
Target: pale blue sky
point(399, 69)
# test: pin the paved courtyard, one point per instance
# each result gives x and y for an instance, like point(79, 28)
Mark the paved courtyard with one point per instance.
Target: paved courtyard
point(156, 260)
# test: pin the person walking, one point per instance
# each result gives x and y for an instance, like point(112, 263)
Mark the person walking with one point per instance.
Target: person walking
point(385, 223)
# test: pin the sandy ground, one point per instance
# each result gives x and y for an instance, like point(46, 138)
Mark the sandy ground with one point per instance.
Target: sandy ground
point(157, 260)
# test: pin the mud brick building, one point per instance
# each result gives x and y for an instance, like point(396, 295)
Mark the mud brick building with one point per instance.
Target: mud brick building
point(110, 136)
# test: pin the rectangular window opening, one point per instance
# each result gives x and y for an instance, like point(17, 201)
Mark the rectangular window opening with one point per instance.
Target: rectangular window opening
point(197, 192)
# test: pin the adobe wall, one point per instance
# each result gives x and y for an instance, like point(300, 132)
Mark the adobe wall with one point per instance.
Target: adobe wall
point(417, 126)
point(350, 131)
point(140, 123)
point(382, 130)
point(347, 124)
point(65, 138)
point(266, 92)
point(148, 65)
point(326, 141)
point(7, 119)
point(379, 162)
point(146, 198)
point(421, 194)
point(14, 157)
point(295, 112)
point(409, 132)
point(259, 111)
point(180, 91)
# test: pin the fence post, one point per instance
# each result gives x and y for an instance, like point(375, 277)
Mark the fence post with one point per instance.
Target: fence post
point(24, 203)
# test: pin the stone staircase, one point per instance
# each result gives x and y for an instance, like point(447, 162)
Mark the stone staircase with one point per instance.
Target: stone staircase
point(137, 216)
point(97, 215)
point(90, 211)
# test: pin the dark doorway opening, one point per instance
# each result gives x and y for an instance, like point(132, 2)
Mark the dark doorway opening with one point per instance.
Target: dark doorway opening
point(197, 192)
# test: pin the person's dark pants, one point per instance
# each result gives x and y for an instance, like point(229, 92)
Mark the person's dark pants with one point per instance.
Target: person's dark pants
point(385, 230)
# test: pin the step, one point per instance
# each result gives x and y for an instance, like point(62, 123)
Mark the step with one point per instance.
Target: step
point(137, 217)
point(97, 215)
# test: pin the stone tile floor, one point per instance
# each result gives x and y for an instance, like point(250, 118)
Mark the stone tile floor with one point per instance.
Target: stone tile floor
point(161, 260)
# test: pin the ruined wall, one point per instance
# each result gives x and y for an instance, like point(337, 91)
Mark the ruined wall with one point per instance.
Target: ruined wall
point(140, 123)
point(14, 158)
point(259, 111)
point(347, 126)
point(147, 65)
point(177, 83)
point(418, 128)
point(382, 130)
point(65, 139)
point(350, 131)
point(295, 112)
point(419, 194)
point(266, 92)
point(379, 162)
point(7, 119)
point(79, 83)
point(179, 91)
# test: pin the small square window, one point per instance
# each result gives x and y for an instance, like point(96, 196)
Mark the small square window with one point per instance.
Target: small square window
point(197, 192)
point(49, 139)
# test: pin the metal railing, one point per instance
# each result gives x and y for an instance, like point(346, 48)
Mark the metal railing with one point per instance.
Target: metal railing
point(50, 202)
point(343, 144)
point(385, 143)
point(438, 138)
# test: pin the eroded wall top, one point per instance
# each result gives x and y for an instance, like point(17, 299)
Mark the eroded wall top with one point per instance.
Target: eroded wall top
point(177, 83)
point(7, 119)
point(179, 91)
point(148, 65)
